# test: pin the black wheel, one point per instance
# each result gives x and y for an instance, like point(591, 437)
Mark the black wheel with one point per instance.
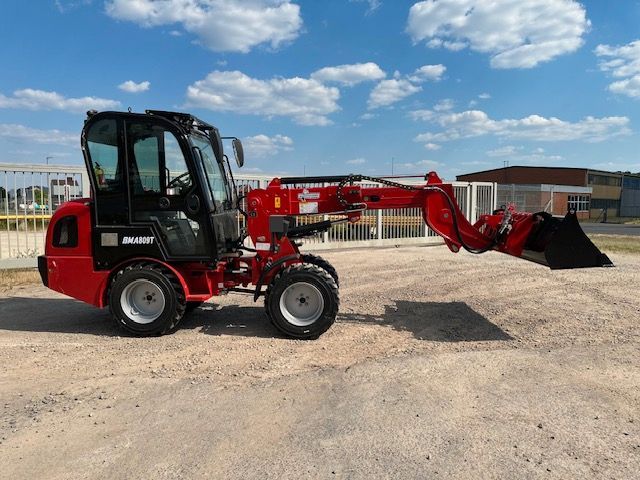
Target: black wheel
point(191, 306)
point(322, 263)
point(146, 299)
point(302, 301)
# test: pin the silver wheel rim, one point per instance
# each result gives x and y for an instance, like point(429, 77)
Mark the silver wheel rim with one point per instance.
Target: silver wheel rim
point(142, 301)
point(301, 304)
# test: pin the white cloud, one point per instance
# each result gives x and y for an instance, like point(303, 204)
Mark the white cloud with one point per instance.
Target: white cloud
point(515, 33)
point(31, 99)
point(356, 161)
point(475, 123)
point(505, 151)
point(391, 91)
point(444, 105)
point(260, 146)
point(132, 87)
point(420, 166)
point(368, 116)
point(422, 114)
point(65, 5)
point(484, 96)
point(373, 5)
point(432, 146)
point(518, 154)
point(307, 101)
point(431, 73)
point(22, 134)
point(622, 62)
point(618, 166)
point(388, 92)
point(220, 25)
point(349, 75)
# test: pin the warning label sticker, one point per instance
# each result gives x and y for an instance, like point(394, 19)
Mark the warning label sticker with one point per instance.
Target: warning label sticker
point(308, 196)
point(309, 207)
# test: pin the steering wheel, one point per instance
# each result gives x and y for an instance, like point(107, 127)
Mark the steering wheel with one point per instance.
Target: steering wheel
point(179, 181)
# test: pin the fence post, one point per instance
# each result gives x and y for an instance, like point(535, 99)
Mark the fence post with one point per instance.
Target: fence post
point(494, 207)
point(325, 217)
point(379, 224)
point(86, 186)
point(474, 203)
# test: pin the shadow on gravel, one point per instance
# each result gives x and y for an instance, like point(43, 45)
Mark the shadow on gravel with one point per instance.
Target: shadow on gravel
point(57, 315)
point(435, 321)
point(237, 320)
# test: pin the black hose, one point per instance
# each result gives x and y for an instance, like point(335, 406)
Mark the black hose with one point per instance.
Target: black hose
point(452, 206)
point(264, 272)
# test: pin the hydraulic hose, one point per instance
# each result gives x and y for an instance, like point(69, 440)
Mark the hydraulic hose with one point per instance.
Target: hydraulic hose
point(452, 206)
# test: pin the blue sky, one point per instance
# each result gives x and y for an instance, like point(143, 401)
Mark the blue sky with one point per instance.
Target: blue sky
point(335, 86)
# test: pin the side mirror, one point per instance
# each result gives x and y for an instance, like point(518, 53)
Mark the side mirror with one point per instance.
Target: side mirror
point(238, 152)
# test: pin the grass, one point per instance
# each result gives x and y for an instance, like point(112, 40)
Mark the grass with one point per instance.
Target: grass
point(12, 278)
point(617, 243)
point(612, 219)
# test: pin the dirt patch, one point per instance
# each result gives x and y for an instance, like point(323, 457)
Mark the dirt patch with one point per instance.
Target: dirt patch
point(438, 365)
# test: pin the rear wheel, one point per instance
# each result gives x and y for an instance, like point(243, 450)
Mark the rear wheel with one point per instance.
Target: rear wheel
point(302, 301)
point(146, 299)
point(322, 263)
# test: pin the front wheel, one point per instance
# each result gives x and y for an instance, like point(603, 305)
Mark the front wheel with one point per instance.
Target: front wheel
point(146, 299)
point(302, 301)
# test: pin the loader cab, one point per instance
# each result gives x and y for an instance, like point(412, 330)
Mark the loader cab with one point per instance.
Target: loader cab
point(162, 188)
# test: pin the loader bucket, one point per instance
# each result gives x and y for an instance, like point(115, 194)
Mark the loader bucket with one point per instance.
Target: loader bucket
point(561, 244)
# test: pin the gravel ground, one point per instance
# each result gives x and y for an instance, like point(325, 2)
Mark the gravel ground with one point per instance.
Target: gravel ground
point(439, 366)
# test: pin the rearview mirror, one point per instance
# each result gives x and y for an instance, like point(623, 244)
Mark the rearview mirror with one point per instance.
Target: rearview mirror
point(238, 152)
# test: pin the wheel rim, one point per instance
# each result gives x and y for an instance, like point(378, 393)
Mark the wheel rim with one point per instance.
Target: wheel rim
point(142, 301)
point(301, 304)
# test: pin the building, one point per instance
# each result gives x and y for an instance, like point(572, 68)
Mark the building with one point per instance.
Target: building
point(63, 190)
point(593, 192)
point(630, 201)
point(555, 199)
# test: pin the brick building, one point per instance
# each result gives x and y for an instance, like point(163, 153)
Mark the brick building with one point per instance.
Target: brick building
point(594, 190)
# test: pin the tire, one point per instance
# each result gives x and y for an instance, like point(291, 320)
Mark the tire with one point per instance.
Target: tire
point(302, 301)
point(322, 263)
point(191, 306)
point(146, 299)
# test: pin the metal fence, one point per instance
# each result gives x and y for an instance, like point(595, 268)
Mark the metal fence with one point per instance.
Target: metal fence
point(29, 194)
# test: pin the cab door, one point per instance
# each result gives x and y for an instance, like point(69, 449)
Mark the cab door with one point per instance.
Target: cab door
point(163, 189)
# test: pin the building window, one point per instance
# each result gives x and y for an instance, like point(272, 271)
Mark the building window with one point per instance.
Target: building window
point(579, 203)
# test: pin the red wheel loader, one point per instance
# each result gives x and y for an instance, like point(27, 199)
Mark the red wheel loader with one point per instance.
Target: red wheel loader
point(160, 233)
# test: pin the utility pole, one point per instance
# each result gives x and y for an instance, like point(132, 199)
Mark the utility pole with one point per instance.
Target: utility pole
point(48, 158)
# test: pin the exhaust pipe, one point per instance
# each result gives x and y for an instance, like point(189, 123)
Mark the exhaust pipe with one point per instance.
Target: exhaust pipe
point(562, 244)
